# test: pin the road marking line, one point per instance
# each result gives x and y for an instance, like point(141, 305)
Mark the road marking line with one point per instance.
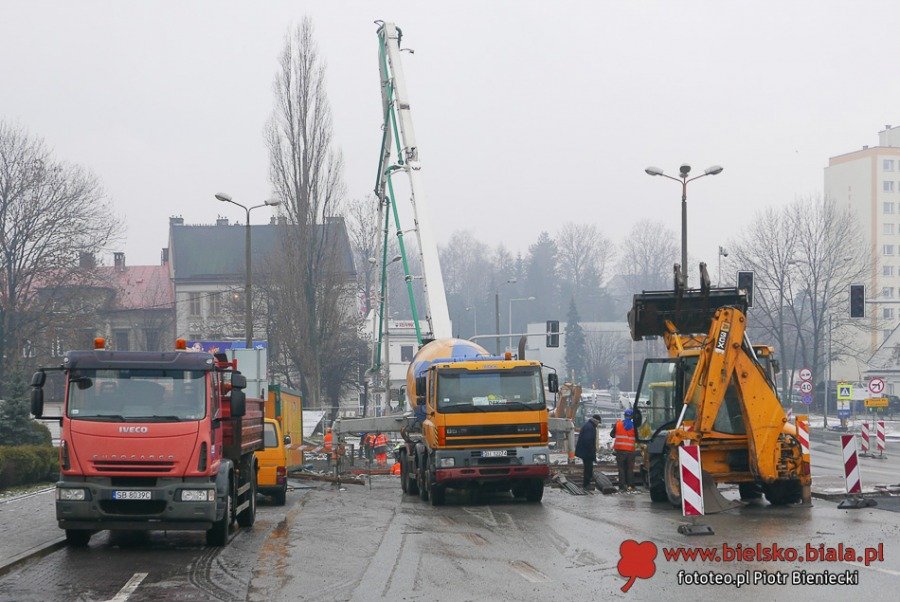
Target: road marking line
point(129, 587)
point(874, 568)
point(528, 572)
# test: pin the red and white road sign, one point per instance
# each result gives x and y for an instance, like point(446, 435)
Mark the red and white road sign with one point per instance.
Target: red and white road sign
point(876, 386)
point(805, 374)
point(691, 483)
point(879, 435)
point(806, 387)
point(803, 436)
point(851, 464)
point(864, 438)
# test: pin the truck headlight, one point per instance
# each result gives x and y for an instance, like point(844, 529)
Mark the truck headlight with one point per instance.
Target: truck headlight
point(446, 463)
point(539, 459)
point(198, 495)
point(70, 494)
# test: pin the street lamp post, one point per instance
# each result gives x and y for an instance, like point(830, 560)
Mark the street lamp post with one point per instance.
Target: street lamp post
point(510, 315)
point(497, 311)
point(685, 170)
point(248, 279)
point(474, 311)
point(723, 252)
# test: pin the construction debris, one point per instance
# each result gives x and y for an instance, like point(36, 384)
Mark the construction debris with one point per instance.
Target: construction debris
point(318, 476)
point(566, 484)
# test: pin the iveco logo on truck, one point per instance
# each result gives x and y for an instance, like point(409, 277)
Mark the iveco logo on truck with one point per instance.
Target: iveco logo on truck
point(133, 429)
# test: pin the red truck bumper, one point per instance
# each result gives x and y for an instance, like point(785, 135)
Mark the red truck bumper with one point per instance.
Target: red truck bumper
point(539, 471)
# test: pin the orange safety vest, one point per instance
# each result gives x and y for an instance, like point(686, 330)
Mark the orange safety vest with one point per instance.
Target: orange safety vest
point(624, 438)
point(381, 442)
point(328, 439)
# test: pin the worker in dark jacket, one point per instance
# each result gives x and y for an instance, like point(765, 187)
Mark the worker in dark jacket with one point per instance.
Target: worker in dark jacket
point(586, 448)
point(624, 445)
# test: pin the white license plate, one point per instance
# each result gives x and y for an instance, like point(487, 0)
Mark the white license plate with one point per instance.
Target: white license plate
point(131, 495)
point(493, 453)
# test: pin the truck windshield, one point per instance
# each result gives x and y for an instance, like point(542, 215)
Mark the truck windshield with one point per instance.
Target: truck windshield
point(137, 395)
point(489, 391)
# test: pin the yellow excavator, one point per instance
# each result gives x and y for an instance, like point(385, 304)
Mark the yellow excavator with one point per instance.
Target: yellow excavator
point(716, 390)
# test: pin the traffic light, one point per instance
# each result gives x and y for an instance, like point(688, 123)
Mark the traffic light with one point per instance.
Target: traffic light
point(857, 301)
point(552, 333)
point(745, 281)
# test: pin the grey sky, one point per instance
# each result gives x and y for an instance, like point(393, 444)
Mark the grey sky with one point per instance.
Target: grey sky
point(527, 113)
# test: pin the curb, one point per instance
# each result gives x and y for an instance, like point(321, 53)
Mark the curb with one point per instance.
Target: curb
point(23, 496)
point(36, 552)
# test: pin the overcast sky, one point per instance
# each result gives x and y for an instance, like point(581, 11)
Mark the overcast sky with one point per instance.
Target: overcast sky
point(528, 114)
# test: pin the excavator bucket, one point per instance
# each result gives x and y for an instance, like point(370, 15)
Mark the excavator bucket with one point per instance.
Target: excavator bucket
point(713, 500)
point(690, 311)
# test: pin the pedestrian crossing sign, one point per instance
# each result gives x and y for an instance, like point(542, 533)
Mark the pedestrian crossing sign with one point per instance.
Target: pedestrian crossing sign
point(845, 391)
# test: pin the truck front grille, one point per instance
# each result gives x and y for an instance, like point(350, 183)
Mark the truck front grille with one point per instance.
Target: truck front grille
point(132, 466)
point(528, 440)
point(133, 507)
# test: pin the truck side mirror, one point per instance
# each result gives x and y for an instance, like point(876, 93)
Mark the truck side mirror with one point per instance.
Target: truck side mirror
point(553, 382)
point(637, 418)
point(287, 439)
point(238, 403)
point(238, 381)
point(37, 401)
point(39, 378)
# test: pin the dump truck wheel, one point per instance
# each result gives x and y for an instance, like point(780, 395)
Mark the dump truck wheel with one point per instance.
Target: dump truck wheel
point(412, 486)
point(248, 516)
point(422, 480)
point(78, 538)
point(656, 478)
point(519, 490)
point(781, 493)
point(217, 536)
point(750, 491)
point(673, 481)
point(404, 475)
point(438, 494)
point(535, 490)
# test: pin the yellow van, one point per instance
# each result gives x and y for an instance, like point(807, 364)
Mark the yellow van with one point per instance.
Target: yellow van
point(272, 460)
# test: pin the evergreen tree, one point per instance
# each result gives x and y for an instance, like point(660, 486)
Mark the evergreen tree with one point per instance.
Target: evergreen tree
point(575, 344)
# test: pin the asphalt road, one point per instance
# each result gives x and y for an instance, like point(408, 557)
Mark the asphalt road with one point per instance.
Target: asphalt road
point(364, 543)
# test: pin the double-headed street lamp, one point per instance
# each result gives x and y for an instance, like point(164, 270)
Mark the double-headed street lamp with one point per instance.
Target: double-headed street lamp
point(497, 309)
point(685, 170)
point(248, 300)
point(510, 315)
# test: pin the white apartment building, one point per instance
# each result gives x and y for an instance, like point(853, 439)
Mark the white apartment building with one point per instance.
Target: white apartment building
point(868, 180)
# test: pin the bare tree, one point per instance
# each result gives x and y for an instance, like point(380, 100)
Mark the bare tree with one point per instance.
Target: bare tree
point(606, 354)
point(51, 213)
point(306, 172)
point(583, 253)
point(364, 230)
point(647, 255)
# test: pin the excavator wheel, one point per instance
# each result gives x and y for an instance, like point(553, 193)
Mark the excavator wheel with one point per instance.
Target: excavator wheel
point(656, 480)
point(750, 491)
point(782, 493)
point(672, 480)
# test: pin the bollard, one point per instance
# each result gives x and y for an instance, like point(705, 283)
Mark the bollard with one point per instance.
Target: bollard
point(802, 424)
point(879, 438)
point(864, 438)
point(691, 490)
point(854, 499)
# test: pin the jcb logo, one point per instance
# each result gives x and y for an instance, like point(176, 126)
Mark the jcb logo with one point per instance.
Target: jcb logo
point(723, 338)
point(133, 429)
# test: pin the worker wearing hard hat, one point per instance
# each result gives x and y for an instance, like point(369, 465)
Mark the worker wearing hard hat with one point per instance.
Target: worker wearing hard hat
point(586, 449)
point(623, 435)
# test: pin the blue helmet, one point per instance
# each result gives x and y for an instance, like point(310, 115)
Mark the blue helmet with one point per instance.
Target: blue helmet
point(629, 413)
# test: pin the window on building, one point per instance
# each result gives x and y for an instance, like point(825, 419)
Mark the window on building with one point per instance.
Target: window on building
point(888, 250)
point(215, 303)
point(887, 292)
point(887, 186)
point(194, 304)
point(151, 339)
point(406, 353)
point(886, 333)
point(887, 313)
point(120, 340)
point(888, 165)
point(887, 270)
point(888, 208)
point(887, 228)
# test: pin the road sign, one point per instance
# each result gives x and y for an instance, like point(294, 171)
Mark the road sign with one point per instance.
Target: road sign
point(805, 374)
point(807, 399)
point(844, 414)
point(844, 391)
point(876, 386)
point(877, 402)
point(806, 387)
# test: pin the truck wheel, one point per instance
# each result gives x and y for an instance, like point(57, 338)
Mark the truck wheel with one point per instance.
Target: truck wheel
point(248, 516)
point(412, 485)
point(673, 481)
point(437, 494)
point(404, 473)
point(217, 536)
point(280, 496)
point(781, 493)
point(78, 538)
point(519, 490)
point(656, 478)
point(750, 491)
point(422, 480)
point(535, 490)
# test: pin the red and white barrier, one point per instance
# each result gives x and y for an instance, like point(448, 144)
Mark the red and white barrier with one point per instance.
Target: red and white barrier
point(691, 480)
point(864, 438)
point(851, 464)
point(803, 436)
point(879, 436)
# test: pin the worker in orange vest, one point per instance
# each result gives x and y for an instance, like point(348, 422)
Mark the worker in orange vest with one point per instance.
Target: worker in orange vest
point(328, 439)
point(623, 435)
point(381, 443)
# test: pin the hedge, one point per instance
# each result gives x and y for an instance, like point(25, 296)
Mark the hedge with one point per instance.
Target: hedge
point(24, 464)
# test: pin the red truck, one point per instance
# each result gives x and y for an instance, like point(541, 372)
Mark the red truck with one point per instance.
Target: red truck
point(154, 441)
